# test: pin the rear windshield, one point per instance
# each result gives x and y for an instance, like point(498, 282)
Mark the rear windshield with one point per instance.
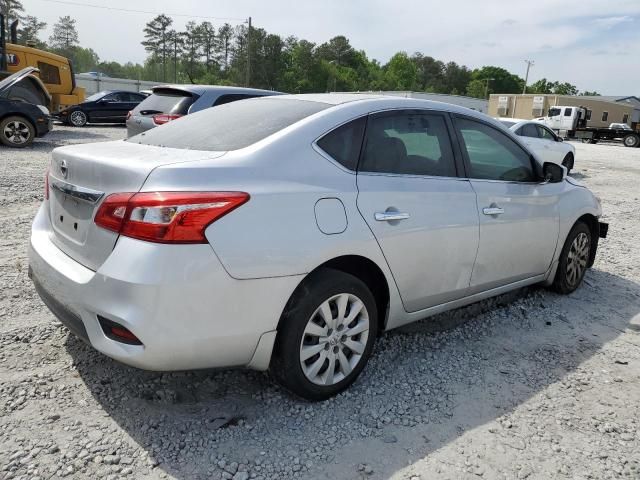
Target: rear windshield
point(167, 100)
point(231, 126)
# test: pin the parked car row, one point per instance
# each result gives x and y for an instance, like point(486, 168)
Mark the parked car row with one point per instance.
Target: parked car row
point(287, 232)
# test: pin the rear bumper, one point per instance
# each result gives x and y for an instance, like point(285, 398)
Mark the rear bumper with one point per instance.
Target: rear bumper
point(177, 299)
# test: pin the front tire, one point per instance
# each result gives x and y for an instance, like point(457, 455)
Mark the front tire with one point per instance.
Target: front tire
point(568, 162)
point(574, 259)
point(632, 141)
point(326, 335)
point(78, 118)
point(16, 132)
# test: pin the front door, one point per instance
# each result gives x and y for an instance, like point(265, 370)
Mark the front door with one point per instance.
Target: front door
point(519, 218)
point(423, 216)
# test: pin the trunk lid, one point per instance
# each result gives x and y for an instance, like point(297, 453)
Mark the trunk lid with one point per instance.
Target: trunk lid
point(81, 176)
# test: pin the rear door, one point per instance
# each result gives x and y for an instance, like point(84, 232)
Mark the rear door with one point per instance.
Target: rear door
point(423, 216)
point(519, 219)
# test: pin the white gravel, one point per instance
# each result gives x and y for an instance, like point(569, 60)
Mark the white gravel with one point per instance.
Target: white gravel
point(531, 385)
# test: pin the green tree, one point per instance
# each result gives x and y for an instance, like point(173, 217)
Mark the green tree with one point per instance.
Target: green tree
point(564, 88)
point(477, 89)
point(207, 35)
point(588, 93)
point(156, 34)
point(501, 80)
point(400, 72)
point(65, 36)
point(339, 51)
point(429, 73)
point(456, 78)
point(85, 59)
point(541, 86)
point(12, 10)
point(191, 41)
point(28, 31)
point(224, 42)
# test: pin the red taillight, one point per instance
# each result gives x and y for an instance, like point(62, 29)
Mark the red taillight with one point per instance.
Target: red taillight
point(166, 217)
point(128, 114)
point(46, 185)
point(162, 118)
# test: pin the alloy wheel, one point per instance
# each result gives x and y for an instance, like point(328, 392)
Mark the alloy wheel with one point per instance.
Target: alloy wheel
point(78, 118)
point(17, 132)
point(577, 258)
point(334, 339)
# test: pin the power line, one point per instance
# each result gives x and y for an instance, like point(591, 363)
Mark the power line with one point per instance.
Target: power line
point(147, 12)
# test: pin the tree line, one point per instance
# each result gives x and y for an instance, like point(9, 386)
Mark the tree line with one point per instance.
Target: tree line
point(239, 55)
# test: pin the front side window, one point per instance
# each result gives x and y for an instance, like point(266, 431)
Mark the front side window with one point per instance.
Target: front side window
point(343, 144)
point(493, 155)
point(528, 130)
point(410, 143)
point(49, 73)
point(554, 112)
point(545, 133)
point(567, 112)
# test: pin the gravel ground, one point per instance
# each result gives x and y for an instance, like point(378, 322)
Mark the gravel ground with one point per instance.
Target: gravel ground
point(529, 385)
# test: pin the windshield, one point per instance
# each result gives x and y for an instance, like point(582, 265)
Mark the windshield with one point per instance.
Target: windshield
point(96, 96)
point(166, 100)
point(230, 126)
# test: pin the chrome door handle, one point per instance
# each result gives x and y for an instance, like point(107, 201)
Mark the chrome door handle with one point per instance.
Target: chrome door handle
point(493, 210)
point(390, 216)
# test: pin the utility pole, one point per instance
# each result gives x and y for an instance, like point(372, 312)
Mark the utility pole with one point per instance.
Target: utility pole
point(486, 86)
point(529, 63)
point(249, 54)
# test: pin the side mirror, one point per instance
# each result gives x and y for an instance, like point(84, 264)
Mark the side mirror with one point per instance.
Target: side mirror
point(559, 139)
point(553, 173)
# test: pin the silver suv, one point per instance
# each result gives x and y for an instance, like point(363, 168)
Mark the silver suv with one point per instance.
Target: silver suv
point(170, 102)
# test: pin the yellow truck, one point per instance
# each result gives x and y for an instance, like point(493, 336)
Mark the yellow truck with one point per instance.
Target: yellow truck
point(56, 72)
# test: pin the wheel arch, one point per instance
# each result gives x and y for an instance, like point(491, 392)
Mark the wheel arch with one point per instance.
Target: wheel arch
point(362, 268)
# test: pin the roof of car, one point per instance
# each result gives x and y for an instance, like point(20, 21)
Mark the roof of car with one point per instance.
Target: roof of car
point(201, 89)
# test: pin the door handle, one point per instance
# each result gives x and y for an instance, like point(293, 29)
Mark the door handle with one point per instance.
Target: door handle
point(390, 216)
point(493, 210)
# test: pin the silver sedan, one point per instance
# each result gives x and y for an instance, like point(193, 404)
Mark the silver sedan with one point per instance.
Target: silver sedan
point(288, 232)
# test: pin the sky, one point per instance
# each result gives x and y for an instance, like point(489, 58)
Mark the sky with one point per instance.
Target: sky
point(593, 44)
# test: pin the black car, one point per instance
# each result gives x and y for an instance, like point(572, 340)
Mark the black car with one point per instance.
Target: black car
point(109, 106)
point(23, 115)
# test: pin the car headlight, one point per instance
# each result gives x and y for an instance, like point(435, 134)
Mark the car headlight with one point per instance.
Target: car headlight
point(43, 109)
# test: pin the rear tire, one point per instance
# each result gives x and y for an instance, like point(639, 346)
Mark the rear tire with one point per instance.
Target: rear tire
point(326, 335)
point(632, 140)
point(574, 259)
point(568, 162)
point(16, 132)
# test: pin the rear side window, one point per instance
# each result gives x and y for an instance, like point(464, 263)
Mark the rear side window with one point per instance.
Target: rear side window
point(231, 97)
point(49, 73)
point(408, 143)
point(232, 126)
point(343, 144)
point(167, 100)
point(492, 154)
